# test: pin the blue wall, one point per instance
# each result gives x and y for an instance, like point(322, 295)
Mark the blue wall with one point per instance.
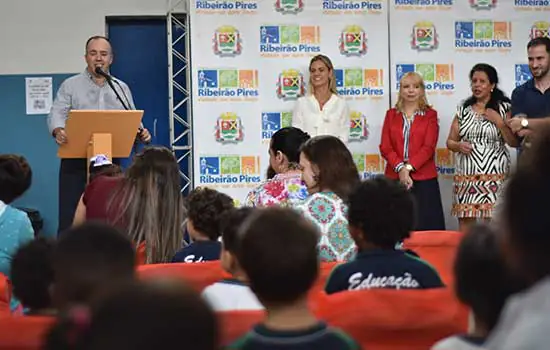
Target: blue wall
point(28, 135)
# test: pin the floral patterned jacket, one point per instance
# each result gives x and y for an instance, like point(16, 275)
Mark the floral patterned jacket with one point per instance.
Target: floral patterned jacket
point(285, 190)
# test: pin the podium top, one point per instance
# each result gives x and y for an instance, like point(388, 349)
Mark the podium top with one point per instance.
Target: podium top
point(81, 124)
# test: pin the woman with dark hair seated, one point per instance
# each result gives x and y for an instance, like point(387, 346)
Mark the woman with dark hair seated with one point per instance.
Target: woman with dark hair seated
point(330, 175)
point(286, 186)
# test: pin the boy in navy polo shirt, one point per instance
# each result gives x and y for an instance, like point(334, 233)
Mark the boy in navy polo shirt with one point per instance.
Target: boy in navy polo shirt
point(380, 215)
point(278, 252)
point(206, 209)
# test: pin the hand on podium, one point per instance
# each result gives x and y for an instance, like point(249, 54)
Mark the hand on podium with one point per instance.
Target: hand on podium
point(60, 136)
point(144, 135)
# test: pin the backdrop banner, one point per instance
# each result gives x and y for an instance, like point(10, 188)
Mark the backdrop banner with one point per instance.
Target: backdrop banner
point(250, 63)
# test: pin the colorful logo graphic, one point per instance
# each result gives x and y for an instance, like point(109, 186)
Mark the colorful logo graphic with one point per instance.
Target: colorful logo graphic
point(358, 127)
point(227, 41)
point(352, 6)
point(522, 74)
point(540, 29)
point(289, 39)
point(483, 4)
point(423, 4)
point(230, 7)
point(229, 169)
point(424, 36)
point(290, 84)
point(289, 6)
point(353, 41)
point(437, 77)
point(444, 161)
point(359, 82)
point(229, 128)
point(483, 34)
point(273, 121)
point(532, 5)
point(369, 165)
point(227, 84)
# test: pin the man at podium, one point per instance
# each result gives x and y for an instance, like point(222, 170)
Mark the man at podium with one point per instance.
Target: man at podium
point(85, 91)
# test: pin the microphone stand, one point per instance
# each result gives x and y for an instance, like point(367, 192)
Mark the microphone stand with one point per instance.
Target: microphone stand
point(109, 80)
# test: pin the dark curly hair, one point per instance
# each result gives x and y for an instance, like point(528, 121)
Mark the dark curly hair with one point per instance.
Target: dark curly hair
point(15, 177)
point(383, 210)
point(206, 209)
point(32, 274)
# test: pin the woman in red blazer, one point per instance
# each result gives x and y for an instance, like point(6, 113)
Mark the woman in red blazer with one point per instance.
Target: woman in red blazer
point(409, 139)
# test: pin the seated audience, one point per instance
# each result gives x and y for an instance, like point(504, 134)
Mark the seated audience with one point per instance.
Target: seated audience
point(139, 316)
point(286, 186)
point(482, 282)
point(15, 225)
point(278, 252)
point(145, 203)
point(87, 261)
point(206, 209)
point(380, 215)
point(525, 243)
point(32, 277)
point(330, 175)
point(100, 165)
point(234, 293)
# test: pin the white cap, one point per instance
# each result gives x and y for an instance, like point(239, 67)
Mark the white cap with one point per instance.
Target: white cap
point(100, 160)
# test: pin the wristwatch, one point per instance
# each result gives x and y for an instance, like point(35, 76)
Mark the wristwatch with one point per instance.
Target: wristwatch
point(409, 167)
point(524, 123)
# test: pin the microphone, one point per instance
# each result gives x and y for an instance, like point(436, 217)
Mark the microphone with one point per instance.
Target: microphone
point(109, 79)
point(100, 71)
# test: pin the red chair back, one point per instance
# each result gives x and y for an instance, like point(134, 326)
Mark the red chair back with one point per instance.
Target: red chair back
point(437, 248)
point(386, 319)
point(24, 332)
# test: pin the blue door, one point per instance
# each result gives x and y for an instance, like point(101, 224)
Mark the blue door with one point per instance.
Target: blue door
point(141, 60)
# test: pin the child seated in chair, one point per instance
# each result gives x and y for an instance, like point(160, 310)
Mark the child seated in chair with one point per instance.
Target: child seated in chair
point(278, 252)
point(234, 293)
point(380, 215)
point(484, 283)
point(206, 209)
point(32, 277)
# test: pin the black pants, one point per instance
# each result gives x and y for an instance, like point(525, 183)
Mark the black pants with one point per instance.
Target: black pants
point(429, 209)
point(72, 182)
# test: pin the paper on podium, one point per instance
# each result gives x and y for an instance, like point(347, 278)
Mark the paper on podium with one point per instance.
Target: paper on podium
point(122, 125)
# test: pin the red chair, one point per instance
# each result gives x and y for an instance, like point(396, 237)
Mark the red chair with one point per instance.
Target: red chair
point(438, 248)
point(386, 319)
point(198, 275)
point(235, 324)
point(201, 275)
point(24, 333)
point(5, 296)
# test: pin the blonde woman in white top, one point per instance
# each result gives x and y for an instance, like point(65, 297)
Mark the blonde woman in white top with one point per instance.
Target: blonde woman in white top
point(322, 111)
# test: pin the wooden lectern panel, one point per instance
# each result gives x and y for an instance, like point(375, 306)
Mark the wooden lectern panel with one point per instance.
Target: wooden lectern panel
point(123, 127)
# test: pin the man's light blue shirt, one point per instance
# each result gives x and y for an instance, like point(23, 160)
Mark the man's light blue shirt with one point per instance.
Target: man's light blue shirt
point(81, 92)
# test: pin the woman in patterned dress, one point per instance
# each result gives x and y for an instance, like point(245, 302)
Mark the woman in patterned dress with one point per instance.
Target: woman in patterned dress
point(330, 175)
point(478, 137)
point(286, 186)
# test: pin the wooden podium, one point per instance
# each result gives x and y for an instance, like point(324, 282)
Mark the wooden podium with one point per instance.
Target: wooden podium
point(91, 132)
